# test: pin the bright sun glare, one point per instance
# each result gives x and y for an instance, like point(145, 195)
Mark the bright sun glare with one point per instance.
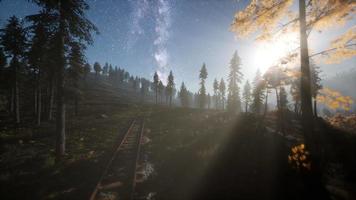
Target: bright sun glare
point(269, 52)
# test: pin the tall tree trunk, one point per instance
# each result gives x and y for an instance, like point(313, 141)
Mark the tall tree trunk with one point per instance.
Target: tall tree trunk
point(61, 111)
point(306, 104)
point(76, 105)
point(296, 107)
point(16, 91)
point(311, 139)
point(315, 108)
point(12, 100)
point(51, 100)
point(39, 99)
point(277, 98)
point(170, 101)
point(35, 95)
point(279, 110)
point(156, 94)
point(266, 104)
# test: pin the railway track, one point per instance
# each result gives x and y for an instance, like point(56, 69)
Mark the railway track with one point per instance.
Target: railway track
point(119, 177)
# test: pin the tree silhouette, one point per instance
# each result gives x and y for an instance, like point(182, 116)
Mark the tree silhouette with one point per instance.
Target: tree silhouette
point(202, 91)
point(183, 95)
point(87, 69)
point(222, 89)
point(208, 100)
point(106, 69)
point(145, 84)
point(246, 95)
point(316, 84)
point(170, 87)
point(295, 93)
point(75, 71)
point(283, 106)
point(155, 84)
point(235, 77)
point(13, 38)
point(216, 93)
point(160, 91)
point(38, 56)
point(3, 62)
point(257, 93)
point(97, 69)
point(72, 26)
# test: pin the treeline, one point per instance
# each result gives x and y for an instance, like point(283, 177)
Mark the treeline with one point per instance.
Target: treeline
point(235, 97)
point(41, 61)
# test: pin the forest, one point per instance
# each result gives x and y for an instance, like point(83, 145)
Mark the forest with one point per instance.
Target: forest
point(153, 112)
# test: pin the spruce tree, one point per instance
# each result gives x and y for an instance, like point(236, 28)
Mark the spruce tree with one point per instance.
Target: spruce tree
point(216, 93)
point(257, 94)
point(246, 95)
point(222, 88)
point(183, 96)
point(106, 69)
point(315, 84)
point(235, 77)
point(155, 84)
point(87, 69)
point(160, 90)
point(72, 26)
point(75, 71)
point(170, 87)
point(97, 69)
point(202, 91)
point(13, 39)
point(38, 56)
point(208, 100)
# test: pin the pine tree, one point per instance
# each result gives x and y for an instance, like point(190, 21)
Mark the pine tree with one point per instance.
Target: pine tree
point(295, 93)
point(216, 93)
point(257, 94)
point(170, 87)
point(235, 77)
point(202, 91)
point(208, 100)
point(160, 91)
point(283, 98)
point(145, 84)
point(111, 73)
point(38, 56)
point(283, 106)
point(13, 38)
point(106, 69)
point(136, 83)
point(4, 83)
point(315, 84)
point(87, 69)
point(3, 62)
point(97, 69)
point(75, 71)
point(155, 84)
point(72, 26)
point(222, 89)
point(183, 95)
point(246, 95)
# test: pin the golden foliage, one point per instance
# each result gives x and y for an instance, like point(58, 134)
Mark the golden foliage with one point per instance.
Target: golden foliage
point(326, 13)
point(334, 99)
point(343, 47)
point(260, 15)
point(265, 17)
point(299, 158)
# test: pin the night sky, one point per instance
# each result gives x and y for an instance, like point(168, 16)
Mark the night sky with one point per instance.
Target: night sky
point(179, 35)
